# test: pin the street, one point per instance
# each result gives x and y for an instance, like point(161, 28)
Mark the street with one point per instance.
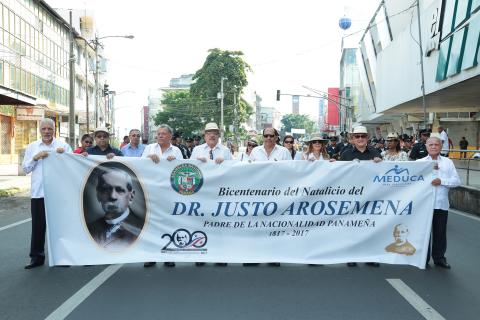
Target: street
point(236, 292)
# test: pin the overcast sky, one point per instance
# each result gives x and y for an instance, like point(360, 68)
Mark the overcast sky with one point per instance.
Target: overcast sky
point(287, 43)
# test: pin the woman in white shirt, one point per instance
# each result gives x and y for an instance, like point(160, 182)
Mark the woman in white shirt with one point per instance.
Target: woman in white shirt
point(393, 152)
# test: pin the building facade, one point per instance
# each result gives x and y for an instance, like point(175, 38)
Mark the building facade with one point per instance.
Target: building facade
point(34, 74)
point(393, 70)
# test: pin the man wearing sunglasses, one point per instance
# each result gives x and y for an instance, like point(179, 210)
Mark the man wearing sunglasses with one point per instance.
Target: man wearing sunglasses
point(361, 151)
point(270, 150)
point(102, 145)
point(134, 148)
point(212, 148)
point(419, 149)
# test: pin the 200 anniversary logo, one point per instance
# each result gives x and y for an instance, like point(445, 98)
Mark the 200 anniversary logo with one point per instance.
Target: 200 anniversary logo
point(186, 179)
point(183, 240)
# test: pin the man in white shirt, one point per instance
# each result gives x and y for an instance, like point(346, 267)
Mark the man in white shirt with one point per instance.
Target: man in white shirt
point(34, 155)
point(446, 178)
point(212, 149)
point(444, 138)
point(270, 150)
point(162, 149)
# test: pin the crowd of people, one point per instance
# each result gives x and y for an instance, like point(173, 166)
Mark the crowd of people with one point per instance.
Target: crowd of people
point(355, 145)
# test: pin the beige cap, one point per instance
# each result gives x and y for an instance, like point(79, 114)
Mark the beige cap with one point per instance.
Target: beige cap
point(392, 136)
point(101, 129)
point(211, 126)
point(360, 129)
point(317, 137)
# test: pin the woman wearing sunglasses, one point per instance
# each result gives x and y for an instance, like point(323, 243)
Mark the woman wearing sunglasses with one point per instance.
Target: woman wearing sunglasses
point(245, 156)
point(289, 143)
point(86, 142)
point(317, 148)
point(393, 152)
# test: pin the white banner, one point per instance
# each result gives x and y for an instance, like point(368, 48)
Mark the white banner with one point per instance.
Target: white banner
point(133, 210)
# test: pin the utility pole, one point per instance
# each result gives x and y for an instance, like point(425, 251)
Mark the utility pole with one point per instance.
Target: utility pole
point(222, 133)
point(424, 103)
point(86, 85)
point(235, 122)
point(71, 114)
point(97, 100)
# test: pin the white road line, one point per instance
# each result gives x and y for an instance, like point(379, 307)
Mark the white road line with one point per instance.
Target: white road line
point(415, 300)
point(466, 215)
point(15, 224)
point(74, 301)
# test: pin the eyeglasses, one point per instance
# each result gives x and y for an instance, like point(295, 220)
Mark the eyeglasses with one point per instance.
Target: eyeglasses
point(288, 141)
point(360, 136)
point(316, 142)
point(135, 135)
point(102, 136)
point(269, 136)
point(88, 142)
point(251, 145)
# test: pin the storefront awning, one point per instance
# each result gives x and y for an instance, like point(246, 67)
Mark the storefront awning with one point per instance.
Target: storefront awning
point(12, 97)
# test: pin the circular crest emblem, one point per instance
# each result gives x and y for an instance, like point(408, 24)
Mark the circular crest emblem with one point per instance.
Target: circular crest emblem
point(186, 179)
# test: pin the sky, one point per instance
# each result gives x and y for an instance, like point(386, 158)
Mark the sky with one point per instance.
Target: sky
point(288, 44)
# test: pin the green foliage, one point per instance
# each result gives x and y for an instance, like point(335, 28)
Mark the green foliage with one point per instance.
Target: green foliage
point(297, 121)
point(218, 64)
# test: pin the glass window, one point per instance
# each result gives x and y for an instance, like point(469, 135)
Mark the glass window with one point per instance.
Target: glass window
point(471, 53)
point(475, 5)
point(448, 17)
point(462, 12)
point(455, 61)
point(443, 60)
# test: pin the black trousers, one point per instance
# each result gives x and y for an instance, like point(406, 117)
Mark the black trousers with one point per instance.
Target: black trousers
point(438, 240)
point(37, 242)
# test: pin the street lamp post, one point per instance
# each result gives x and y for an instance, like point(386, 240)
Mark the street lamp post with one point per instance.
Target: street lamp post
point(222, 133)
point(97, 43)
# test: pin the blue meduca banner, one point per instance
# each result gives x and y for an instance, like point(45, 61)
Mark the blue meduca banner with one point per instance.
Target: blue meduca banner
point(129, 210)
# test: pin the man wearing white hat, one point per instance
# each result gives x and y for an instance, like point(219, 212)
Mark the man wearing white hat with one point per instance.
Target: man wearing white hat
point(102, 145)
point(361, 150)
point(212, 149)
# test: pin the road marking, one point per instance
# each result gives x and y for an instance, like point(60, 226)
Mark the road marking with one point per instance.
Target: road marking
point(74, 301)
point(15, 224)
point(466, 215)
point(415, 300)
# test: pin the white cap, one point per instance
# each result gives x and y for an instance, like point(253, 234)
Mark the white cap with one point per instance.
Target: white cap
point(360, 129)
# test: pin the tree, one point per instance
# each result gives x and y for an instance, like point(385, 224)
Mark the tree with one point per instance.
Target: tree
point(181, 112)
point(218, 64)
point(297, 121)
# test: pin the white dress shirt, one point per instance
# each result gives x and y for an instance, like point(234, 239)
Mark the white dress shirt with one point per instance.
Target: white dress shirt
point(278, 153)
point(154, 148)
point(36, 167)
point(445, 144)
point(449, 177)
point(218, 151)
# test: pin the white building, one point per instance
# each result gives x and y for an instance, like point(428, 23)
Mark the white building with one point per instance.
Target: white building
point(391, 69)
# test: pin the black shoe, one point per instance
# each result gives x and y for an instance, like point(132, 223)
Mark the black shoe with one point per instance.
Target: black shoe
point(274, 264)
point(315, 265)
point(35, 263)
point(373, 264)
point(443, 264)
point(427, 265)
point(351, 264)
point(251, 264)
point(221, 264)
point(199, 264)
point(169, 264)
point(149, 264)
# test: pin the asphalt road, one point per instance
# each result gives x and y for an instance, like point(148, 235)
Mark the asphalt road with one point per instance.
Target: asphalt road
point(187, 292)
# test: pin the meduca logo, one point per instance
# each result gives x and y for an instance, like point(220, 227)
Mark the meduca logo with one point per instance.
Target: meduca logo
point(183, 240)
point(186, 179)
point(397, 176)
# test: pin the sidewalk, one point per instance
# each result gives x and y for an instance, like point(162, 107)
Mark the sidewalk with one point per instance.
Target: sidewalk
point(11, 182)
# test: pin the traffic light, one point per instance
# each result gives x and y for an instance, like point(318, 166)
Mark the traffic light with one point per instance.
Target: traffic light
point(278, 95)
point(105, 89)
